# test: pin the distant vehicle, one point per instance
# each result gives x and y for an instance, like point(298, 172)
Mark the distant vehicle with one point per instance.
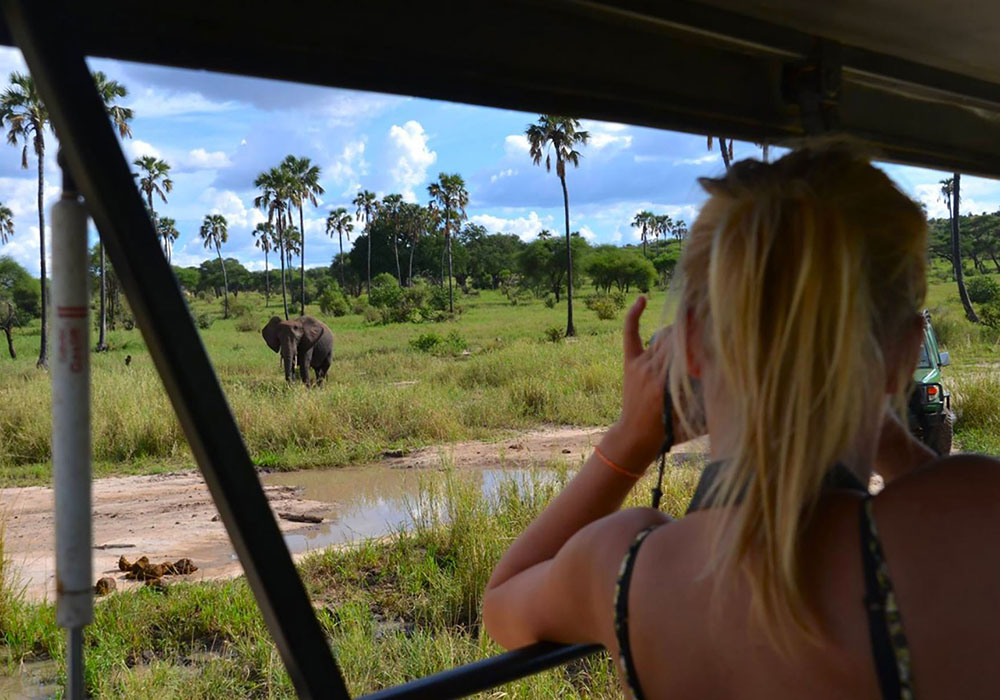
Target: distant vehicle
point(930, 416)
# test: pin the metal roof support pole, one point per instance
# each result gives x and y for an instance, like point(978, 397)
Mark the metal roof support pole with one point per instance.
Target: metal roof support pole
point(95, 159)
point(70, 365)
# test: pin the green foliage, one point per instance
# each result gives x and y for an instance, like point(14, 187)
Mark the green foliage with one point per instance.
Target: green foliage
point(549, 300)
point(983, 289)
point(246, 324)
point(333, 302)
point(554, 334)
point(452, 344)
point(622, 268)
point(542, 263)
point(240, 309)
point(205, 321)
point(606, 304)
point(21, 290)
point(385, 292)
point(989, 314)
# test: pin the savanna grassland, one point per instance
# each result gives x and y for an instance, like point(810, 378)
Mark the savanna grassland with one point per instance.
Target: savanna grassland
point(397, 608)
point(495, 371)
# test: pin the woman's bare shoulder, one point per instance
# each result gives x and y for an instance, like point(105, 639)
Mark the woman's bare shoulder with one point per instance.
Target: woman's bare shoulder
point(954, 480)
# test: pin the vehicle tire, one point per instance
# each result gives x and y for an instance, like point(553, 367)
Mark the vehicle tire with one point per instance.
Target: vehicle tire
point(942, 436)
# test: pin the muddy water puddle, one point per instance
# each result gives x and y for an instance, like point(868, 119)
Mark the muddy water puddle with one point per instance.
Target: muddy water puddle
point(37, 680)
point(373, 502)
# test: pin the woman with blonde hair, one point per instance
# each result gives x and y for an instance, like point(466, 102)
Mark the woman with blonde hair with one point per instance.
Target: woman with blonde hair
point(797, 330)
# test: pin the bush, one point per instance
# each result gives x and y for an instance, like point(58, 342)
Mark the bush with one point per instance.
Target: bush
point(438, 298)
point(989, 314)
point(246, 324)
point(239, 310)
point(205, 321)
point(983, 289)
point(359, 306)
point(606, 304)
point(332, 301)
point(554, 334)
point(549, 300)
point(385, 292)
point(452, 344)
point(374, 315)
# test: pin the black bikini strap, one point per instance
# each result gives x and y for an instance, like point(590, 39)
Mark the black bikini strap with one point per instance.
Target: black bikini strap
point(875, 600)
point(621, 613)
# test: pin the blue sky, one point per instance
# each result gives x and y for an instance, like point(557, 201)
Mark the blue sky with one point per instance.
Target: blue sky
point(218, 132)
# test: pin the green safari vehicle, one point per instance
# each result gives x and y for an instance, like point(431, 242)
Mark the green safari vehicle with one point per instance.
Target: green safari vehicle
point(930, 416)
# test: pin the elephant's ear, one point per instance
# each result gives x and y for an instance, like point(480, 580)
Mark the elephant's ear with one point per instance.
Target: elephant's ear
point(312, 330)
point(270, 333)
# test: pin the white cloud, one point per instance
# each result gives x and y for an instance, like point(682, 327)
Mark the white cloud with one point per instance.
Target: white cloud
point(588, 233)
point(604, 135)
point(152, 102)
point(700, 160)
point(509, 172)
point(516, 145)
point(137, 148)
point(200, 159)
point(349, 166)
point(409, 157)
point(525, 228)
point(229, 204)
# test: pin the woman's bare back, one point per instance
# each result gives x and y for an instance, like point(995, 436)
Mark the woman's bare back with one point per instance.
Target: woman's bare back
point(939, 528)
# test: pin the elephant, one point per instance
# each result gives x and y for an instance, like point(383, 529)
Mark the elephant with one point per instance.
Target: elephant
point(305, 340)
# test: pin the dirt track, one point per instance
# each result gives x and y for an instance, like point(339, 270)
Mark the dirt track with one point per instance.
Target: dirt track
point(168, 516)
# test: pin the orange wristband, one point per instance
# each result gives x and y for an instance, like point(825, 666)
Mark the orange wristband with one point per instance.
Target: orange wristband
point(604, 458)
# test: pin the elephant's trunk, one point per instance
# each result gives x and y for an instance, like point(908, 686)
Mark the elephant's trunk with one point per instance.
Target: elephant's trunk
point(287, 355)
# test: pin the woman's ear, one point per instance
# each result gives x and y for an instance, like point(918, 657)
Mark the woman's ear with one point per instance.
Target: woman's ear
point(693, 344)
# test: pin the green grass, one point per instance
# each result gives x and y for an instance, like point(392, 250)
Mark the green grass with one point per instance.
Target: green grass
point(382, 393)
point(393, 610)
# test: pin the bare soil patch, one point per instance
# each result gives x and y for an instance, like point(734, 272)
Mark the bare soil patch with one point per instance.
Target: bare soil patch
point(167, 517)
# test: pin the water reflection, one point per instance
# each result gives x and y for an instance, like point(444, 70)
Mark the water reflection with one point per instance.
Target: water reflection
point(372, 502)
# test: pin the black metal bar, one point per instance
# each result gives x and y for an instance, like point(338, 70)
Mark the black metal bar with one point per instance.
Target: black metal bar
point(99, 168)
point(482, 675)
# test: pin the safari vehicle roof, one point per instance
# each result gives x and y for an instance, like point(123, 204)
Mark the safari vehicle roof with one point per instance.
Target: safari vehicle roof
point(918, 79)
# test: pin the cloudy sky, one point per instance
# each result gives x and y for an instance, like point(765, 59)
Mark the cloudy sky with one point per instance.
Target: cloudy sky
point(218, 132)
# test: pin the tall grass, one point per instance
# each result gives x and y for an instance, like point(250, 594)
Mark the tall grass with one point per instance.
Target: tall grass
point(381, 392)
point(393, 609)
point(976, 398)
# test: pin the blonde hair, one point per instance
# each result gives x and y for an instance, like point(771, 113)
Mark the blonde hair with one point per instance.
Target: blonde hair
point(802, 274)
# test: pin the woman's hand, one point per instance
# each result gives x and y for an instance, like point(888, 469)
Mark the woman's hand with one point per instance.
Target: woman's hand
point(635, 439)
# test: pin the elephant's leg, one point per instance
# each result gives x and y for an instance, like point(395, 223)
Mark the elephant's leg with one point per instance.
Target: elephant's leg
point(305, 362)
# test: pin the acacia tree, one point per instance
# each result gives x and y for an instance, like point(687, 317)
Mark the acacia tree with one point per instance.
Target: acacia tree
point(304, 180)
point(950, 190)
point(366, 207)
point(214, 231)
point(273, 199)
point(561, 136)
point(392, 209)
point(263, 238)
point(340, 222)
point(449, 197)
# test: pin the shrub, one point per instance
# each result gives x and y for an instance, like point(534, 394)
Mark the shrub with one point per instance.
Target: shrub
point(359, 306)
point(606, 304)
point(452, 344)
point(554, 334)
point(373, 314)
point(246, 324)
point(549, 300)
point(385, 292)
point(989, 314)
point(983, 289)
point(438, 298)
point(205, 321)
point(332, 301)
point(239, 310)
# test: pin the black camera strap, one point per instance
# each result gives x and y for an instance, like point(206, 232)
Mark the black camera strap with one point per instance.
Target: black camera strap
point(668, 442)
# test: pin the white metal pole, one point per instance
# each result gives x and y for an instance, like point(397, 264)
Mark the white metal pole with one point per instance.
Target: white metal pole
point(71, 428)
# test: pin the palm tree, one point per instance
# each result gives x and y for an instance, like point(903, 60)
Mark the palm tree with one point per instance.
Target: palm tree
point(263, 238)
point(6, 224)
point(305, 186)
point(449, 197)
point(214, 231)
point(274, 184)
point(726, 149)
point(340, 221)
point(366, 204)
point(416, 220)
point(950, 190)
point(154, 178)
point(645, 221)
point(166, 229)
point(560, 135)
point(110, 91)
point(392, 209)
